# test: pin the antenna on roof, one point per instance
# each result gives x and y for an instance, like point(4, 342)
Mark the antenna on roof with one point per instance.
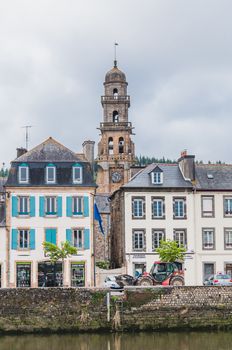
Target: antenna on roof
point(115, 54)
point(27, 127)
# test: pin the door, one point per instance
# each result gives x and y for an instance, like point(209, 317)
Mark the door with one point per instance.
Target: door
point(50, 275)
point(23, 272)
point(78, 275)
point(228, 269)
point(208, 269)
point(139, 269)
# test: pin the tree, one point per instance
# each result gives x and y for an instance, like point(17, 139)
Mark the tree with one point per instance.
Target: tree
point(55, 253)
point(170, 251)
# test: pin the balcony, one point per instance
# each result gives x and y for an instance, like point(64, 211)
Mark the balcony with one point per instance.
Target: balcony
point(115, 99)
point(108, 126)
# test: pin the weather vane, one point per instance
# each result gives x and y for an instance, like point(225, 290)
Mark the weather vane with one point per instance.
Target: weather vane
point(115, 54)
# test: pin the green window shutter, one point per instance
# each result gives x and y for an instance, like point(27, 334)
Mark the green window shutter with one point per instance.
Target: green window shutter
point(32, 238)
point(86, 238)
point(69, 235)
point(59, 206)
point(69, 206)
point(14, 239)
point(53, 234)
point(41, 206)
point(86, 206)
point(14, 206)
point(32, 206)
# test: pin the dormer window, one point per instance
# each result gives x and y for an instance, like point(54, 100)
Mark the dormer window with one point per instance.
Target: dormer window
point(50, 174)
point(77, 174)
point(23, 174)
point(157, 177)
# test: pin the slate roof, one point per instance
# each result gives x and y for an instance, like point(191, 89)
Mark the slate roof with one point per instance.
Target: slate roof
point(49, 151)
point(220, 177)
point(2, 183)
point(172, 177)
point(103, 203)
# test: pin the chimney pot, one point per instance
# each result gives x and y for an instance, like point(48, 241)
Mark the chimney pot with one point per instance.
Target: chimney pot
point(21, 151)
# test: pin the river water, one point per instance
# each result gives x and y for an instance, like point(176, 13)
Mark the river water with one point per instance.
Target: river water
point(140, 341)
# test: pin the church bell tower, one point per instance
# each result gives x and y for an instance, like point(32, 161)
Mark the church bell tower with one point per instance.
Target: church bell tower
point(116, 149)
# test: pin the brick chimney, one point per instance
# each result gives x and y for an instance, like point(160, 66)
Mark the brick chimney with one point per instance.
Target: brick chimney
point(88, 150)
point(21, 151)
point(187, 165)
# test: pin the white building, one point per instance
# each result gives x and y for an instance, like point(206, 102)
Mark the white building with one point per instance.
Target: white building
point(49, 198)
point(186, 202)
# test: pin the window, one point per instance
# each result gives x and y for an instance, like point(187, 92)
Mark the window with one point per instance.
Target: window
point(157, 237)
point(115, 117)
point(23, 174)
point(227, 206)
point(23, 205)
point(23, 239)
point(138, 238)
point(78, 238)
point(50, 174)
point(228, 238)
point(51, 206)
point(180, 236)
point(115, 93)
point(207, 206)
point(121, 145)
point(208, 270)
point(110, 145)
point(77, 174)
point(157, 177)
point(77, 205)
point(179, 208)
point(208, 238)
point(138, 208)
point(158, 208)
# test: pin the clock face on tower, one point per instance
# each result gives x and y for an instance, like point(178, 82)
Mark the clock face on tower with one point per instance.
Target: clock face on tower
point(116, 176)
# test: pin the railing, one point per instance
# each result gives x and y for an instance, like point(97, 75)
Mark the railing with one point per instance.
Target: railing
point(112, 99)
point(111, 125)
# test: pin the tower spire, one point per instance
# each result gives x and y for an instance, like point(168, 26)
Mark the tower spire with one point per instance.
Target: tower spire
point(115, 54)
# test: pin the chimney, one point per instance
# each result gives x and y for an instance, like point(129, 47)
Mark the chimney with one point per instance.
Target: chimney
point(187, 165)
point(21, 151)
point(88, 150)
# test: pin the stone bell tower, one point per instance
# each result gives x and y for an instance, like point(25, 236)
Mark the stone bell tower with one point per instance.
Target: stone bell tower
point(115, 150)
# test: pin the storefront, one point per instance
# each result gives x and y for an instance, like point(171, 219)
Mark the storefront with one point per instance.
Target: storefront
point(50, 275)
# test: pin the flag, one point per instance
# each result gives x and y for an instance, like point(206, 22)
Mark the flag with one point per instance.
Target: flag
point(97, 216)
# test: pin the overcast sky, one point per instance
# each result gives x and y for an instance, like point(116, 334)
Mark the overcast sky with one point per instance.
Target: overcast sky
point(176, 54)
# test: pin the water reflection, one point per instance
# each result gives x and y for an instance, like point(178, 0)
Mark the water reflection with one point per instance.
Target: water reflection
point(141, 341)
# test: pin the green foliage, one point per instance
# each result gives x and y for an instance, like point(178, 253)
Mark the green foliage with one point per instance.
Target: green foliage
point(170, 251)
point(56, 253)
point(103, 264)
point(142, 160)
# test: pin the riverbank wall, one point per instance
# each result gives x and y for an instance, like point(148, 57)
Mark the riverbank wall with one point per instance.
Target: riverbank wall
point(43, 310)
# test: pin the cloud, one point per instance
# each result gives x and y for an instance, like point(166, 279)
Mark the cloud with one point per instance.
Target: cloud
point(177, 57)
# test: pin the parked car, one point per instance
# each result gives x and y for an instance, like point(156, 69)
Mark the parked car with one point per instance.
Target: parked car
point(110, 282)
point(219, 279)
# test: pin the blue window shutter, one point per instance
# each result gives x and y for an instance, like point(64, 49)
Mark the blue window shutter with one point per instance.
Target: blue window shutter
point(53, 235)
point(48, 236)
point(86, 238)
point(59, 206)
point(86, 206)
point(14, 239)
point(69, 206)
point(32, 238)
point(32, 206)
point(14, 206)
point(69, 235)
point(41, 206)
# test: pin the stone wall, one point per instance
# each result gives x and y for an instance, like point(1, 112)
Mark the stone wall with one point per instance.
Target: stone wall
point(74, 310)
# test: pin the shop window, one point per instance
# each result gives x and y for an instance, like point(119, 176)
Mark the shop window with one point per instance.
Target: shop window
point(77, 274)
point(23, 271)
